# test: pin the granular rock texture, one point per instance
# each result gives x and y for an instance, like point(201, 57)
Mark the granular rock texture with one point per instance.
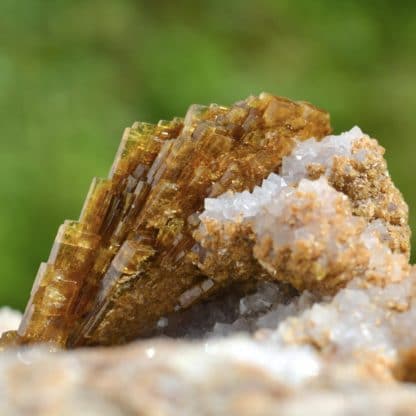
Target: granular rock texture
point(232, 377)
point(354, 165)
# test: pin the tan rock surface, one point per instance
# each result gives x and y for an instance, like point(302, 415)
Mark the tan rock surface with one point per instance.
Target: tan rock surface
point(234, 377)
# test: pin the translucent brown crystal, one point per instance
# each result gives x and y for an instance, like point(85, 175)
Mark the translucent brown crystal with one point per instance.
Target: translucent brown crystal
point(132, 258)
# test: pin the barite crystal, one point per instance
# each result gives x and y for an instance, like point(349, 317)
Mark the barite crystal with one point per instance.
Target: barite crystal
point(132, 257)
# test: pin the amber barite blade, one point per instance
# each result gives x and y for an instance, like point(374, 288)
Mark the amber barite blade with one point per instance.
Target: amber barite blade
point(132, 259)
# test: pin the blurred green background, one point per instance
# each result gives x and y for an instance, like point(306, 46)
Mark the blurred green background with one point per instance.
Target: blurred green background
point(74, 73)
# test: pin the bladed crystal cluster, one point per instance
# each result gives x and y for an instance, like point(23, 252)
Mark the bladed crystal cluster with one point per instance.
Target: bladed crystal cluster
point(214, 203)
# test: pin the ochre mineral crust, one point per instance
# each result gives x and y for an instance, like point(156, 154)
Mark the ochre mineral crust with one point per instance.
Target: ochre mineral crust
point(132, 257)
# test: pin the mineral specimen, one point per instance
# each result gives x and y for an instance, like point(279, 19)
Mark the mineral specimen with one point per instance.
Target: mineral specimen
point(306, 232)
point(132, 257)
point(284, 253)
point(234, 376)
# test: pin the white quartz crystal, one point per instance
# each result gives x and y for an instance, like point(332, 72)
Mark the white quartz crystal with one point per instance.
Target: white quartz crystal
point(230, 206)
point(357, 320)
point(294, 166)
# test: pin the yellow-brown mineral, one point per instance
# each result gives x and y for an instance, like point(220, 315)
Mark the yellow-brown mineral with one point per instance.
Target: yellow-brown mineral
point(132, 257)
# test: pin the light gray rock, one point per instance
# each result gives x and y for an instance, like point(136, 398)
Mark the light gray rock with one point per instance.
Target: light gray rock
point(235, 376)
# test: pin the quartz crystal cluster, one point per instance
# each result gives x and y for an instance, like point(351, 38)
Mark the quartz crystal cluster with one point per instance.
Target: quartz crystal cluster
point(316, 225)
